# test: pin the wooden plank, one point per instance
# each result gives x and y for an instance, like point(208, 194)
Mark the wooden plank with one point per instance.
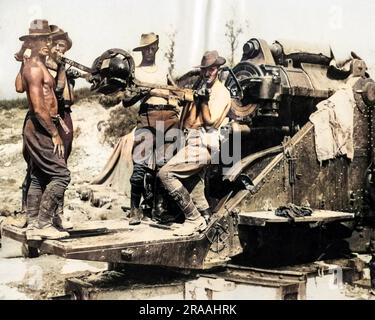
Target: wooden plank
point(19, 234)
point(117, 224)
point(14, 233)
point(261, 218)
point(141, 235)
point(121, 235)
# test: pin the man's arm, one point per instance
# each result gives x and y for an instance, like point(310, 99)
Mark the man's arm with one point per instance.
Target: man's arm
point(202, 104)
point(130, 98)
point(218, 107)
point(19, 84)
point(206, 114)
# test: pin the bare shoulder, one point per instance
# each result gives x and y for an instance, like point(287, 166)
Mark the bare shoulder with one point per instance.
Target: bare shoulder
point(32, 72)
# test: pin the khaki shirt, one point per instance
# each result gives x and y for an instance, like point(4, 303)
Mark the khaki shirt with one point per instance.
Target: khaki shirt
point(154, 74)
point(219, 104)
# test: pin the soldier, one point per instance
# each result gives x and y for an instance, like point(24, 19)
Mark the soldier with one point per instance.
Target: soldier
point(61, 43)
point(183, 175)
point(65, 81)
point(64, 93)
point(42, 142)
point(157, 115)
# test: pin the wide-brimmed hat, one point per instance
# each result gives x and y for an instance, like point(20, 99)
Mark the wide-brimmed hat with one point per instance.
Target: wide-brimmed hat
point(59, 34)
point(147, 39)
point(38, 28)
point(211, 58)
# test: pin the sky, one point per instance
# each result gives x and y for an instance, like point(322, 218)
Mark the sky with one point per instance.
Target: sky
point(98, 25)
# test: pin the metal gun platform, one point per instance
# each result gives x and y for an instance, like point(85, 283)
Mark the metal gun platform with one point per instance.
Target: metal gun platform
point(149, 243)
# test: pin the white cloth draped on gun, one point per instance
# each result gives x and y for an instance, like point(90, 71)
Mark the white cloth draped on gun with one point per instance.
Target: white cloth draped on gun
point(333, 125)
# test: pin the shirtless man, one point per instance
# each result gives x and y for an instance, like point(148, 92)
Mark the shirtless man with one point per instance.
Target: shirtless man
point(42, 142)
point(64, 93)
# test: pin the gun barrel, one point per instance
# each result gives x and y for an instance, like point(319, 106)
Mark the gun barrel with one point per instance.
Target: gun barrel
point(184, 93)
point(76, 64)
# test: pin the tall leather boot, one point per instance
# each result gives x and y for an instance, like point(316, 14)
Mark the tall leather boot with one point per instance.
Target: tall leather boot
point(32, 208)
point(160, 208)
point(48, 205)
point(59, 221)
point(194, 222)
point(136, 216)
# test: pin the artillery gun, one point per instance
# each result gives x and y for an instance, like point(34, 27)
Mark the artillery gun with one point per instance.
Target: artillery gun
point(275, 88)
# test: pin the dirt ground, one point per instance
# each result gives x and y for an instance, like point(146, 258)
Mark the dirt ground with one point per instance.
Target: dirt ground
point(42, 277)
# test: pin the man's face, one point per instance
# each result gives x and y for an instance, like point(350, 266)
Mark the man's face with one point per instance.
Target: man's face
point(43, 46)
point(60, 46)
point(149, 52)
point(210, 74)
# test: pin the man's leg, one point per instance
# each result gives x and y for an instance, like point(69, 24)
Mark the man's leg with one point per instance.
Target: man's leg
point(196, 187)
point(52, 197)
point(47, 166)
point(42, 205)
point(33, 198)
point(143, 159)
point(67, 138)
point(136, 191)
point(59, 220)
point(25, 188)
point(177, 169)
point(26, 182)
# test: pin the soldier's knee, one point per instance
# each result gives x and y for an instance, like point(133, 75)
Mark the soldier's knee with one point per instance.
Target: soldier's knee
point(68, 177)
point(64, 179)
point(136, 179)
point(138, 175)
point(163, 174)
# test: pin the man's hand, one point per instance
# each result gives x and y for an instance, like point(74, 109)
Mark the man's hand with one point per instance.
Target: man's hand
point(58, 146)
point(73, 74)
point(130, 97)
point(202, 95)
